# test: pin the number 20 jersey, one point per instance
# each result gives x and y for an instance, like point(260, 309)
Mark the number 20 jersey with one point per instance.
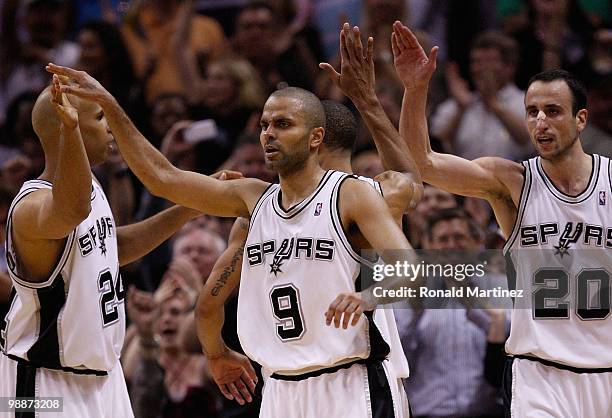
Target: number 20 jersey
point(75, 319)
point(560, 253)
point(296, 262)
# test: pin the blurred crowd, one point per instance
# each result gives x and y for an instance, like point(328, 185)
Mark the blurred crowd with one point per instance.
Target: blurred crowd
point(194, 75)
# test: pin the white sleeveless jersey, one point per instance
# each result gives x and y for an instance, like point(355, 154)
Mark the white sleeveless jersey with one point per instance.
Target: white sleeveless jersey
point(560, 253)
point(296, 262)
point(76, 318)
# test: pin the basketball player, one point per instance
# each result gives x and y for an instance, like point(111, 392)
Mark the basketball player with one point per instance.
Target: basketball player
point(63, 333)
point(228, 366)
point(298, 257)
point(559, 205)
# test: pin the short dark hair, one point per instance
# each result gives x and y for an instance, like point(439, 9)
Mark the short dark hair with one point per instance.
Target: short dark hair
point(450, 214)
point(340, 126)
point(579, 96)
point(314, 114)
point(506, 46)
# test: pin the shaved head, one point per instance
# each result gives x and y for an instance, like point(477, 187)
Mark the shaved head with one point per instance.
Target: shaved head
point(45, 121)
point(311, 107)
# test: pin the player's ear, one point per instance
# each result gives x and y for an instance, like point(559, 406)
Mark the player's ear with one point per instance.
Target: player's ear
point(316, 137)
point(581, 118)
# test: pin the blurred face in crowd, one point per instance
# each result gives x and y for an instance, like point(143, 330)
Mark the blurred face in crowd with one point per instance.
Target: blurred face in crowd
point(249, 160)
point(434, 199)
point(254, 32)
point(44, 21)
point(552, 126)
point(451, 234)
point(488, 62)
point(382, 12)
point(221, 89)
point(202, 247)
point(172, 312)
point(367, 164)
point(600, 108)
point(550, 7)
point(167, 110)
point(285, 134)
point(93, 56)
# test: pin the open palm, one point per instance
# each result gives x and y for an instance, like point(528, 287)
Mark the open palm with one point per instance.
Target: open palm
point(412, 65)
point(66, 112)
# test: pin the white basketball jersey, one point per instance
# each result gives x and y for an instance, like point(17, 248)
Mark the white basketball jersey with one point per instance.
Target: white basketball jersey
point(296, 262)
point(75, 319)
point(560, 253)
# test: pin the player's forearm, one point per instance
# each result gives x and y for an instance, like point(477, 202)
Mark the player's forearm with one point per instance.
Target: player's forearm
point(149, 165)
point(209, 324)
point(137, 240)
point(413, 128)
point(393, 150)
point(72, 180)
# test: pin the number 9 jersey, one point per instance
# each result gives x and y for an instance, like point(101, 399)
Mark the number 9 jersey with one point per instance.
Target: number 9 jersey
point(560, 254)
point(296, 262)
point(74, 320)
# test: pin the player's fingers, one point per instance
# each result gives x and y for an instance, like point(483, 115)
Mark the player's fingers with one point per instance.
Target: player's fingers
point(356, 316)
point(330, 70)
point(343, 52)
point(350, 44)
point(394, 47)
point(249, 379)
point(234, 391)
point(58, 69)
point(339, 311)
point(433, 56)
point(243, 390)
point(347, 314)
point(357, 42)
point(331, 310)
point(225, 392)
point(370, 50)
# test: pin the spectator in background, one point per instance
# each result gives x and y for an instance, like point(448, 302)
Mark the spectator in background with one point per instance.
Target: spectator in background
point(558, 35)
point(596, 138)
point(284, 63)
point(31, 43)
point(167, 381)
point(489, 121)
point(248, 159)
point(167, 109)
point(434, 199)
point(202, 247)
point(105, 57)
point(367, 163)
point(152, 32)
point(445, 347)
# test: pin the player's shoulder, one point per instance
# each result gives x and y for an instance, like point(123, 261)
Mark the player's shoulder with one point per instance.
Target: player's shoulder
point(507, 172)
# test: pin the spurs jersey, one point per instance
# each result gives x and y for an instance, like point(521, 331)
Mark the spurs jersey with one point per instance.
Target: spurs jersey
point(560, 253)
point(75, 319)
point(296, 262)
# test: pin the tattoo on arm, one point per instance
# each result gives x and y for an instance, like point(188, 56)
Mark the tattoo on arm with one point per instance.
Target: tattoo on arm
point(231, 268)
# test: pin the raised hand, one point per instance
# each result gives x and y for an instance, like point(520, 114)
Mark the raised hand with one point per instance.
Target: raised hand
point(142, 311)
point(234, 375)
point(81, 84)
point(412, 65)
point(65, 110)
point(356, 77)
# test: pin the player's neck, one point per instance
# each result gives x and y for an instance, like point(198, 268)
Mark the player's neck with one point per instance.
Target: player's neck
point(571, 171)
point(299, 184)
point(331, 161)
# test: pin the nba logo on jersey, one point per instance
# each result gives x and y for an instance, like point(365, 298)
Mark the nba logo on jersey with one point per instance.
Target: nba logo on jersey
point(318, 209)
point(602, 198)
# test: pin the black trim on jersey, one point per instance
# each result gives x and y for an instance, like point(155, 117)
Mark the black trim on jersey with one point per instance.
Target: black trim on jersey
point(299, 207)
point(340, 229)
point(579, 370)
point(510, 273)
point(381, 399)
point(90, 372)
point(327, 370)
point(379, 349)
point(25, 386)
point(51, 299)
point(507, 387)
point(259, 204)
point(4, 320)
point(564, 197)
point(523, 199)
point(610, 173)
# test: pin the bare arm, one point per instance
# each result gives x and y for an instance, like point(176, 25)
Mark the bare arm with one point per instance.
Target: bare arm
point(485, 177)
point(137, 240)
point(53, 215)
point(357, 81)
point(193, 190)
point(231, 371)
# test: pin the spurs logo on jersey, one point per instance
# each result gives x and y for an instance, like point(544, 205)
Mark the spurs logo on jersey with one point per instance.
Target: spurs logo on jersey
point(560, 253)
point(82, 300)
point(566, 235)
point(295, 247)
point(96, 236)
